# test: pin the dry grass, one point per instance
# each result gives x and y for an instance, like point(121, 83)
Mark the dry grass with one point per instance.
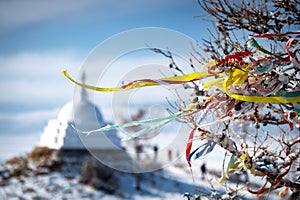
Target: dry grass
point(40, 152)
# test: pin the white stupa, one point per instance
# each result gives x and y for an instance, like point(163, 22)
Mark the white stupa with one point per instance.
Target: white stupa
point(60, 134)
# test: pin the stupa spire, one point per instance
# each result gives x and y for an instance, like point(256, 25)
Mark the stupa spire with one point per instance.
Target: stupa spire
point(83, 93)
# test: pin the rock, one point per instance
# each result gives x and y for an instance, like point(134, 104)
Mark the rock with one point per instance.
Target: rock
point(4, 183)
point(28, 190)
point(36, 197)
point(41, 171)
point(101, 185)
point(68, 176)
point(98, 176)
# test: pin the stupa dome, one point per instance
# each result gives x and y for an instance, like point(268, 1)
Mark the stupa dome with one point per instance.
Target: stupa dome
point(66, 113)
point(74, 117)
point(87, 112)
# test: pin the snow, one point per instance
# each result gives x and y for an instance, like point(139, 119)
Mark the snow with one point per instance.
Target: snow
point(65, 185)
point(171, 182)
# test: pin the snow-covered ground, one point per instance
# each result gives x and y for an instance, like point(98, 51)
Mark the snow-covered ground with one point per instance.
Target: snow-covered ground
point(170, 183)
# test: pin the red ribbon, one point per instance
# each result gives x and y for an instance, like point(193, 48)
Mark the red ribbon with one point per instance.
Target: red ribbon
point(189, 146)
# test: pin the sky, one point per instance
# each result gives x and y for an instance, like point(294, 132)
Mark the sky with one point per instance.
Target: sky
point(41, 38)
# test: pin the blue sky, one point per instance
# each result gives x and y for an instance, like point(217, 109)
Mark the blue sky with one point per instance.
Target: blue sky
point(40, 38)
point(81, 25)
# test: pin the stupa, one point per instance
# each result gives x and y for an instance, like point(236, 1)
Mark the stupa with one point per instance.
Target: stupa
point(64, 133)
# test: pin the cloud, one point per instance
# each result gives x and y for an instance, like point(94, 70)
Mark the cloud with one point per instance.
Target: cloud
point(35, 78)
point(15, 13)
point(32, 117)
point(26, 122)
point(19, 13)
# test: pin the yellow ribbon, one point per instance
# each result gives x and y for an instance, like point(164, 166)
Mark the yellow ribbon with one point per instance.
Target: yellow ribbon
point(142, 83)
point(239, 77)
point(236, 77)
point(210, 63)
point(66, 74)
point(222, 178)
point(183, 79)
point(258, 99)
point(213, 82)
